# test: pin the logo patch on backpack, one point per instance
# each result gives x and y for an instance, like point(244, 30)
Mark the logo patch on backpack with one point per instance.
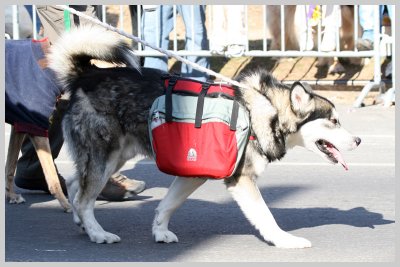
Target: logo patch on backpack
point(192, 155)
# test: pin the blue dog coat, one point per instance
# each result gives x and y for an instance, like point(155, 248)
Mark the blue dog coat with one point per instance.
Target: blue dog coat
point(31, 87)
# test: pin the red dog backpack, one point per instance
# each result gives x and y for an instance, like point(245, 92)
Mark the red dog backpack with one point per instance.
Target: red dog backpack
point(197, 129)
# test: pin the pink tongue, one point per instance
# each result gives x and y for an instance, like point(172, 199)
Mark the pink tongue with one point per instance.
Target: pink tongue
point(337, 156)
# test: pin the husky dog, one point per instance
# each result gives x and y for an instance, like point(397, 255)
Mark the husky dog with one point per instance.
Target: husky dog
point(106, 125)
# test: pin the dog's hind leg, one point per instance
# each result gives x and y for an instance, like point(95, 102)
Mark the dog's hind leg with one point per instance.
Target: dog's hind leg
point(179, 191)
point(246, 193)
point(14, 147)
point(85, 198)
point(43, 151)
point(72, 187)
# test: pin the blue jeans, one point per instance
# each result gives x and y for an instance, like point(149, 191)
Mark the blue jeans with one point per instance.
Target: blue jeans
point(29, 8)
point(156, 27)
point(366, 14)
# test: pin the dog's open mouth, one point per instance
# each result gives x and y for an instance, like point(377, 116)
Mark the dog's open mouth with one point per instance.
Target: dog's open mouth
point(331, 152)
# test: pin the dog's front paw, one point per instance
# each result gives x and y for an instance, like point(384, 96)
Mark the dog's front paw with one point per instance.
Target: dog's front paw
point(164, 236)
point(67, 208)
point(15, 199)
point(286, 240)
point(104, 237)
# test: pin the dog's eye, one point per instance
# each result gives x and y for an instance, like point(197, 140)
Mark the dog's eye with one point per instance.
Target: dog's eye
point(334, 121)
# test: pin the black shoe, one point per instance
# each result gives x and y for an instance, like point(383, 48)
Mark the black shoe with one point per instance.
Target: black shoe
point(39, 184)
point(365, 45)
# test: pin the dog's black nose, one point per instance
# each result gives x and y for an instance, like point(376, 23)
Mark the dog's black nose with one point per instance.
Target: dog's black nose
point(357, 140)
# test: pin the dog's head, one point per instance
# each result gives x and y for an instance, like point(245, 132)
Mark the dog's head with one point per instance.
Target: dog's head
point(320, 130)
point(283, 117)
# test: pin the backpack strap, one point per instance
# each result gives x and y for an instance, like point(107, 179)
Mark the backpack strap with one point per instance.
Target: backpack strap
point(234, 115)
point(168, 98)
point(200, 104)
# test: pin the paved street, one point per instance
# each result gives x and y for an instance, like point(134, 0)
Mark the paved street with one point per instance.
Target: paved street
point(347, 215)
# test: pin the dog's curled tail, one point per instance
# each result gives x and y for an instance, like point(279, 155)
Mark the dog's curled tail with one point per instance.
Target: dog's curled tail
point(71, 54)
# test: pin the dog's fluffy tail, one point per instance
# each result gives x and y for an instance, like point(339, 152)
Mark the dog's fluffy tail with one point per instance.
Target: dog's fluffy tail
point(71, 54)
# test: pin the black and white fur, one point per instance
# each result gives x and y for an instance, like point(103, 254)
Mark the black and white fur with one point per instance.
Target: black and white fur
point(106, 125)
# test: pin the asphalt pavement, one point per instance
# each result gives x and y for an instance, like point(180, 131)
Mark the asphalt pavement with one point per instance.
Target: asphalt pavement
point(349, 216)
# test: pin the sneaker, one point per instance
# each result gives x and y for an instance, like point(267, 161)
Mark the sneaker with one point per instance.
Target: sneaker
point(365, 45)
point(218, 50)
point(234, 50)
point(121, 187)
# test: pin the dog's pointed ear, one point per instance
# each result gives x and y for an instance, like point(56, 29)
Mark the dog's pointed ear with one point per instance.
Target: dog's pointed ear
point(300, 96)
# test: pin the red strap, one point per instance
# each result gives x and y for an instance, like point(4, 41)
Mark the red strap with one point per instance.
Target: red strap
point(45, 39)
point(196, 87)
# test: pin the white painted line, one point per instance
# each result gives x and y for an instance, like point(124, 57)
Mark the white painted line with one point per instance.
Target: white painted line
point(363, 164)
point(365, 135)
point(50, 250)
point(377, 136)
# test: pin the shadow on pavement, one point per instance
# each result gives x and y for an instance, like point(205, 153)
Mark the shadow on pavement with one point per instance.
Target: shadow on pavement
point(196, 223)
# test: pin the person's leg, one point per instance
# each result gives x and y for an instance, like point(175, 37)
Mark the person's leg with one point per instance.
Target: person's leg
point(236, 30)
point(196, 39)
point(303, 29)
point(388, 68)
point(236, 26)
point(330, 22)
point(366, 17)
point(156, 26)
point(390, 11)
point(218, 29)
point(134, 23)
point(99, 12)
point(52, 19)
point(30, 11)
